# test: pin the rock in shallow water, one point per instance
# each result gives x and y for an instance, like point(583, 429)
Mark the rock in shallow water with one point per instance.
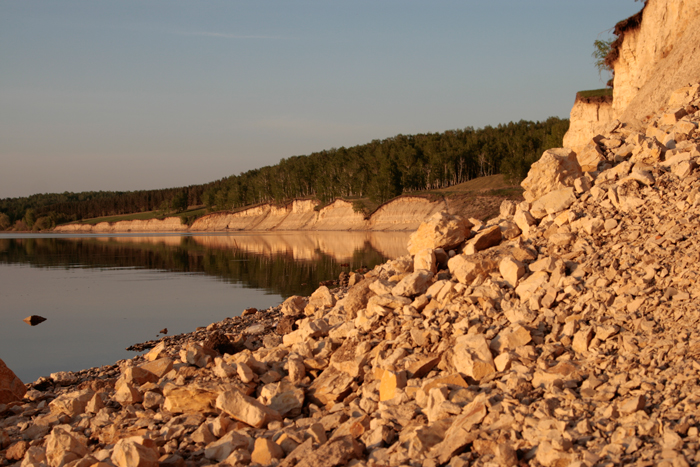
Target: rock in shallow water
point(34, 320)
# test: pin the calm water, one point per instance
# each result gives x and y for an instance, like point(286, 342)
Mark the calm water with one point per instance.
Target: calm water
point(102, 293)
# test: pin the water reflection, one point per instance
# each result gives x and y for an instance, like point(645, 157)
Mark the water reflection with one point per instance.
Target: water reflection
point(102, 293)
point(285, 263)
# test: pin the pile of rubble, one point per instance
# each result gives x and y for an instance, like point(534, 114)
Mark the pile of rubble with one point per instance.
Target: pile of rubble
point(563, 332)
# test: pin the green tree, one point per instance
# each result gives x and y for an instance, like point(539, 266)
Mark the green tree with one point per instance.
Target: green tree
point(179, 201)
point(4, 221)
point(30, 217)
point(601, 49)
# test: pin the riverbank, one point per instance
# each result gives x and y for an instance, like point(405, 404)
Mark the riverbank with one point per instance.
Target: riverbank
point(402, 214)
point(561, 332)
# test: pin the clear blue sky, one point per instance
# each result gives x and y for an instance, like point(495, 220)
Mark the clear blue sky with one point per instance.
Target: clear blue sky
point(140, 94)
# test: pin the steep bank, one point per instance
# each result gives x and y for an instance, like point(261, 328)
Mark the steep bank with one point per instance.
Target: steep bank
point(401, 214)
point(563, 332)
point(656, 55)
point(588, 118)
point(169, 224)
point(657, 51)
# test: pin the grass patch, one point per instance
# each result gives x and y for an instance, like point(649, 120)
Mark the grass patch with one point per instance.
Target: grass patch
point(605, 92)
point(143, 216)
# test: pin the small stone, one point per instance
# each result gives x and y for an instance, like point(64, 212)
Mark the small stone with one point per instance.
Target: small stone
point(511, 270)
point(294, 306)
point(391, 381)
point(472, 357)
point(245, 409)
point(633, 404)
point(413, 284)
point(266, 451)
point(425, 259)
point(484, 239)
point(229, 443)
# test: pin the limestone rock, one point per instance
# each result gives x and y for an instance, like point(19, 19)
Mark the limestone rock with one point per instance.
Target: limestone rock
point(158, 367)
point(590, 156)
point(442, 230)
point(413, 284)
point(424, 259)
point(337, 451)
point(72, 403)
point(553, 202)
point(331, 386)
point(195, 398)
point(484, 239)
point(467, 268)
point(226, 445)
point(266, 451)
point(17, 451)
point(320, 299)
point(528, 286)
point(294, 306)
point(391, 381)
point(473, 357)
point(511, 270)
point(556, 169)
point(357, 297)
point(63, 447)
point(246, 409)
point(283, 397)
point(524, 221)
point(507, 209)
point(135, 452)
point(156, 352)
point(11, 387)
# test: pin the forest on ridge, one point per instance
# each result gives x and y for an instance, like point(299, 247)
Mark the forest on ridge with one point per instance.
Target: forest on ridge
point(379, 170)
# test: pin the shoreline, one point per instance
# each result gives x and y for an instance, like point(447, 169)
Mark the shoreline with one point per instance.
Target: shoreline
point(562, 332)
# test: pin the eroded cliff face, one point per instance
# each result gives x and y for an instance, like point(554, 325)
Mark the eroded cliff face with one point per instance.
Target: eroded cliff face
point(169, 224)
point(658, 51)
point(405, 213)
point(588, 118)
point(659, 56)
point(401, 214)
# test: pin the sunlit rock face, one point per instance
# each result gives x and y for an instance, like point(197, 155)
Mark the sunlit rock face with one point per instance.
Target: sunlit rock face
point(401, 214)
point(588, 118)
point(657, 54)
point(656, 58)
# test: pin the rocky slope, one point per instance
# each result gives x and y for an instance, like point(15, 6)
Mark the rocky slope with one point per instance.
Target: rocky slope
point(563, 332)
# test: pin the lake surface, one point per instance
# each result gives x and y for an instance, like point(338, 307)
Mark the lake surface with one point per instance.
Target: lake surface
point(102, 293)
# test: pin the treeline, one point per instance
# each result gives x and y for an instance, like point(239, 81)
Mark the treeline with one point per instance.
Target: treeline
point(380, 170)
point(44, 211)
point(384, 169)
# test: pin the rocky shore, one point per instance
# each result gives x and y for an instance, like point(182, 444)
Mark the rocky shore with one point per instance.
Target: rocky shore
point(562, 332)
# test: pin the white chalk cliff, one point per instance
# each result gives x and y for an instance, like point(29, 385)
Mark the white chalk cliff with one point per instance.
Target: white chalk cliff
point(657, 52)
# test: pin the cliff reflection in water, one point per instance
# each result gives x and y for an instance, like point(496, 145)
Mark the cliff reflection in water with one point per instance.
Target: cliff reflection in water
point(284, 263)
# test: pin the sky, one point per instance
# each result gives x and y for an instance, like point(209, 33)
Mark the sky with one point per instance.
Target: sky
point(143, 94)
